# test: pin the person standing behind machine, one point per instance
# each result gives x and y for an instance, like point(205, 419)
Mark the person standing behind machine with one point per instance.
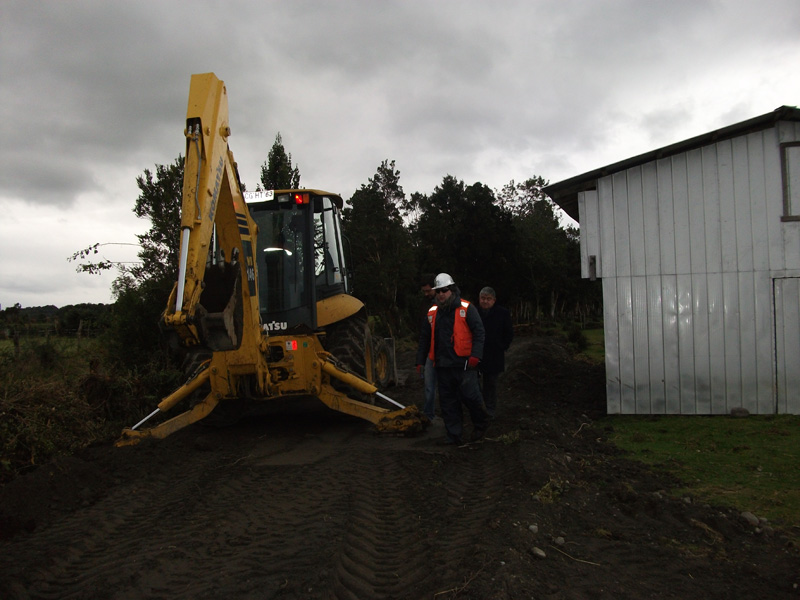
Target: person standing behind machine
point(499, 334)
point(426, 371)
point(454, 341)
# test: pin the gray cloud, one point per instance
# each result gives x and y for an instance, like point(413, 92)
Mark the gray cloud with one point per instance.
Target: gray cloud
point(91, 91)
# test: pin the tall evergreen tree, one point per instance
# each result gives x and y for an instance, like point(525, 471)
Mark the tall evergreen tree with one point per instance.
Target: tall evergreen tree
point(433, 229)
point(548, 265)
point(380, 245)
point(461, 230)
point(277, 173)
point(519, 199)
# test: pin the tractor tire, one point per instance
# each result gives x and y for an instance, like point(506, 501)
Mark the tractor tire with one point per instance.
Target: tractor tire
point(192, 361)
point(382, 364)
point(347, 341)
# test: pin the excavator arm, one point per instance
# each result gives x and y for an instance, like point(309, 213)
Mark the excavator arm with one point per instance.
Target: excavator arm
point(214, 302)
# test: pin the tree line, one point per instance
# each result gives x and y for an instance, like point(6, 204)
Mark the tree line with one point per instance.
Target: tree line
point(511, 240)
point(72, 320)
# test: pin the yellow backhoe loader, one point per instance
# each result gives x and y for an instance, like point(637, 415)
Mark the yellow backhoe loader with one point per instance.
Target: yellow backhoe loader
point(262, 305)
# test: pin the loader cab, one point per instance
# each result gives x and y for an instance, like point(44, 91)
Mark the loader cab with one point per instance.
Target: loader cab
point(299, 255)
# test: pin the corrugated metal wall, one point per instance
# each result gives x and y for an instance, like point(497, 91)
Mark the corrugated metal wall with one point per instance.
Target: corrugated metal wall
point(689, 249)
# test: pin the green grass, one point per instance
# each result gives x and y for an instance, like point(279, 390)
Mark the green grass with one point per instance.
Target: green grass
point(593, 347)
point(750, 463)
point(596, 350)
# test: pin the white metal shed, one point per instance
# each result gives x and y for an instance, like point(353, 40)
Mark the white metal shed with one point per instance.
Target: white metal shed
point(698, 248)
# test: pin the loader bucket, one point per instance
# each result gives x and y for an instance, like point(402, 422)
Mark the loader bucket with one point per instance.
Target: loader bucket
point(408, 421)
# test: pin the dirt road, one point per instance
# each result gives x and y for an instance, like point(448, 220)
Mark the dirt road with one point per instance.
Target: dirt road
point(316, 506)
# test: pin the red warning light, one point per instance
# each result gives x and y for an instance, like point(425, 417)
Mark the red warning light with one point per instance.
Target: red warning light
point(301, 198)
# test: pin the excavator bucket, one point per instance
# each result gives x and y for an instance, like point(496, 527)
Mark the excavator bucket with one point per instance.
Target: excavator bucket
point(408, 421)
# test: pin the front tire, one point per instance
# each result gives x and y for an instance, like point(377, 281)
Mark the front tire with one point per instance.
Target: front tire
point(382, 364)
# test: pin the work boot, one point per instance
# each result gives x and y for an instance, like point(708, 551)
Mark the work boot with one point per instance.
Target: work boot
point(448, 441)
point(477, 434)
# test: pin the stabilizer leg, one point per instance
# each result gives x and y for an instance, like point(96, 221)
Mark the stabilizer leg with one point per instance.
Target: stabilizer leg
point(200, 411)
point(406, 421)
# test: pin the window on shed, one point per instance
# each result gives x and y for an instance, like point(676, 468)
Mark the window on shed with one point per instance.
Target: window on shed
point(790, 171)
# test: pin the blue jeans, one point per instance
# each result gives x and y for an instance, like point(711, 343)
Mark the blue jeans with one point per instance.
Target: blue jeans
point(429, 408)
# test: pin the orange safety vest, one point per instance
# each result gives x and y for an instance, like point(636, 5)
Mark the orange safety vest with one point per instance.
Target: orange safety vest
point(462, 334)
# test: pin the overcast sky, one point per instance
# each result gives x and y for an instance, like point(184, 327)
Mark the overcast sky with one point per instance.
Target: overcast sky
point(93, 92)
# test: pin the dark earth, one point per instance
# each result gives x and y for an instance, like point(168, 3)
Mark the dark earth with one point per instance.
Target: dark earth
point(314, 505)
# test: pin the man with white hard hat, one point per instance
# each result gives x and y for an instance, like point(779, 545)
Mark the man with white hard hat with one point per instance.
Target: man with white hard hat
point(454, 342)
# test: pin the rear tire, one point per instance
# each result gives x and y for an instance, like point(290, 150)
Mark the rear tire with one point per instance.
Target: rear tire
point(346, 342)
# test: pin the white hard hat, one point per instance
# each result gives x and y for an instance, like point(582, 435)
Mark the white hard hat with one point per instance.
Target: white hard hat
point(442, 280)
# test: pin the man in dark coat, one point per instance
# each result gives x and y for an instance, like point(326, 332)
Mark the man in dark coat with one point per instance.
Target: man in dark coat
point(499, 334)
point(454, 339)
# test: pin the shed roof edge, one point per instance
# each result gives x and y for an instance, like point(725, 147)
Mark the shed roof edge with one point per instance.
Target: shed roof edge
point(565, 193)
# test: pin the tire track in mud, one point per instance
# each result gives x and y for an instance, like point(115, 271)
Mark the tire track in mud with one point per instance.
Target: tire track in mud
point(288, 516)
point(119, 542)
point(474, 480)
point(383, 552)
point(415, 520)
point(189, 530)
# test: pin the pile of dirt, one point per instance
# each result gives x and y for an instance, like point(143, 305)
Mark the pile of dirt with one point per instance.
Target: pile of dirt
point(314, 505)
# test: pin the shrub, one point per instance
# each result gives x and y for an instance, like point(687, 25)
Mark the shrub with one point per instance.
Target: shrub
point(47, 354)
point(41, 420)
point(577, 338)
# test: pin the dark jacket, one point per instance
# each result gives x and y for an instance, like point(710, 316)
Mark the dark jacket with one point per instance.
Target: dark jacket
point(445, 318)
point(423, 313)
point(499, 334)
